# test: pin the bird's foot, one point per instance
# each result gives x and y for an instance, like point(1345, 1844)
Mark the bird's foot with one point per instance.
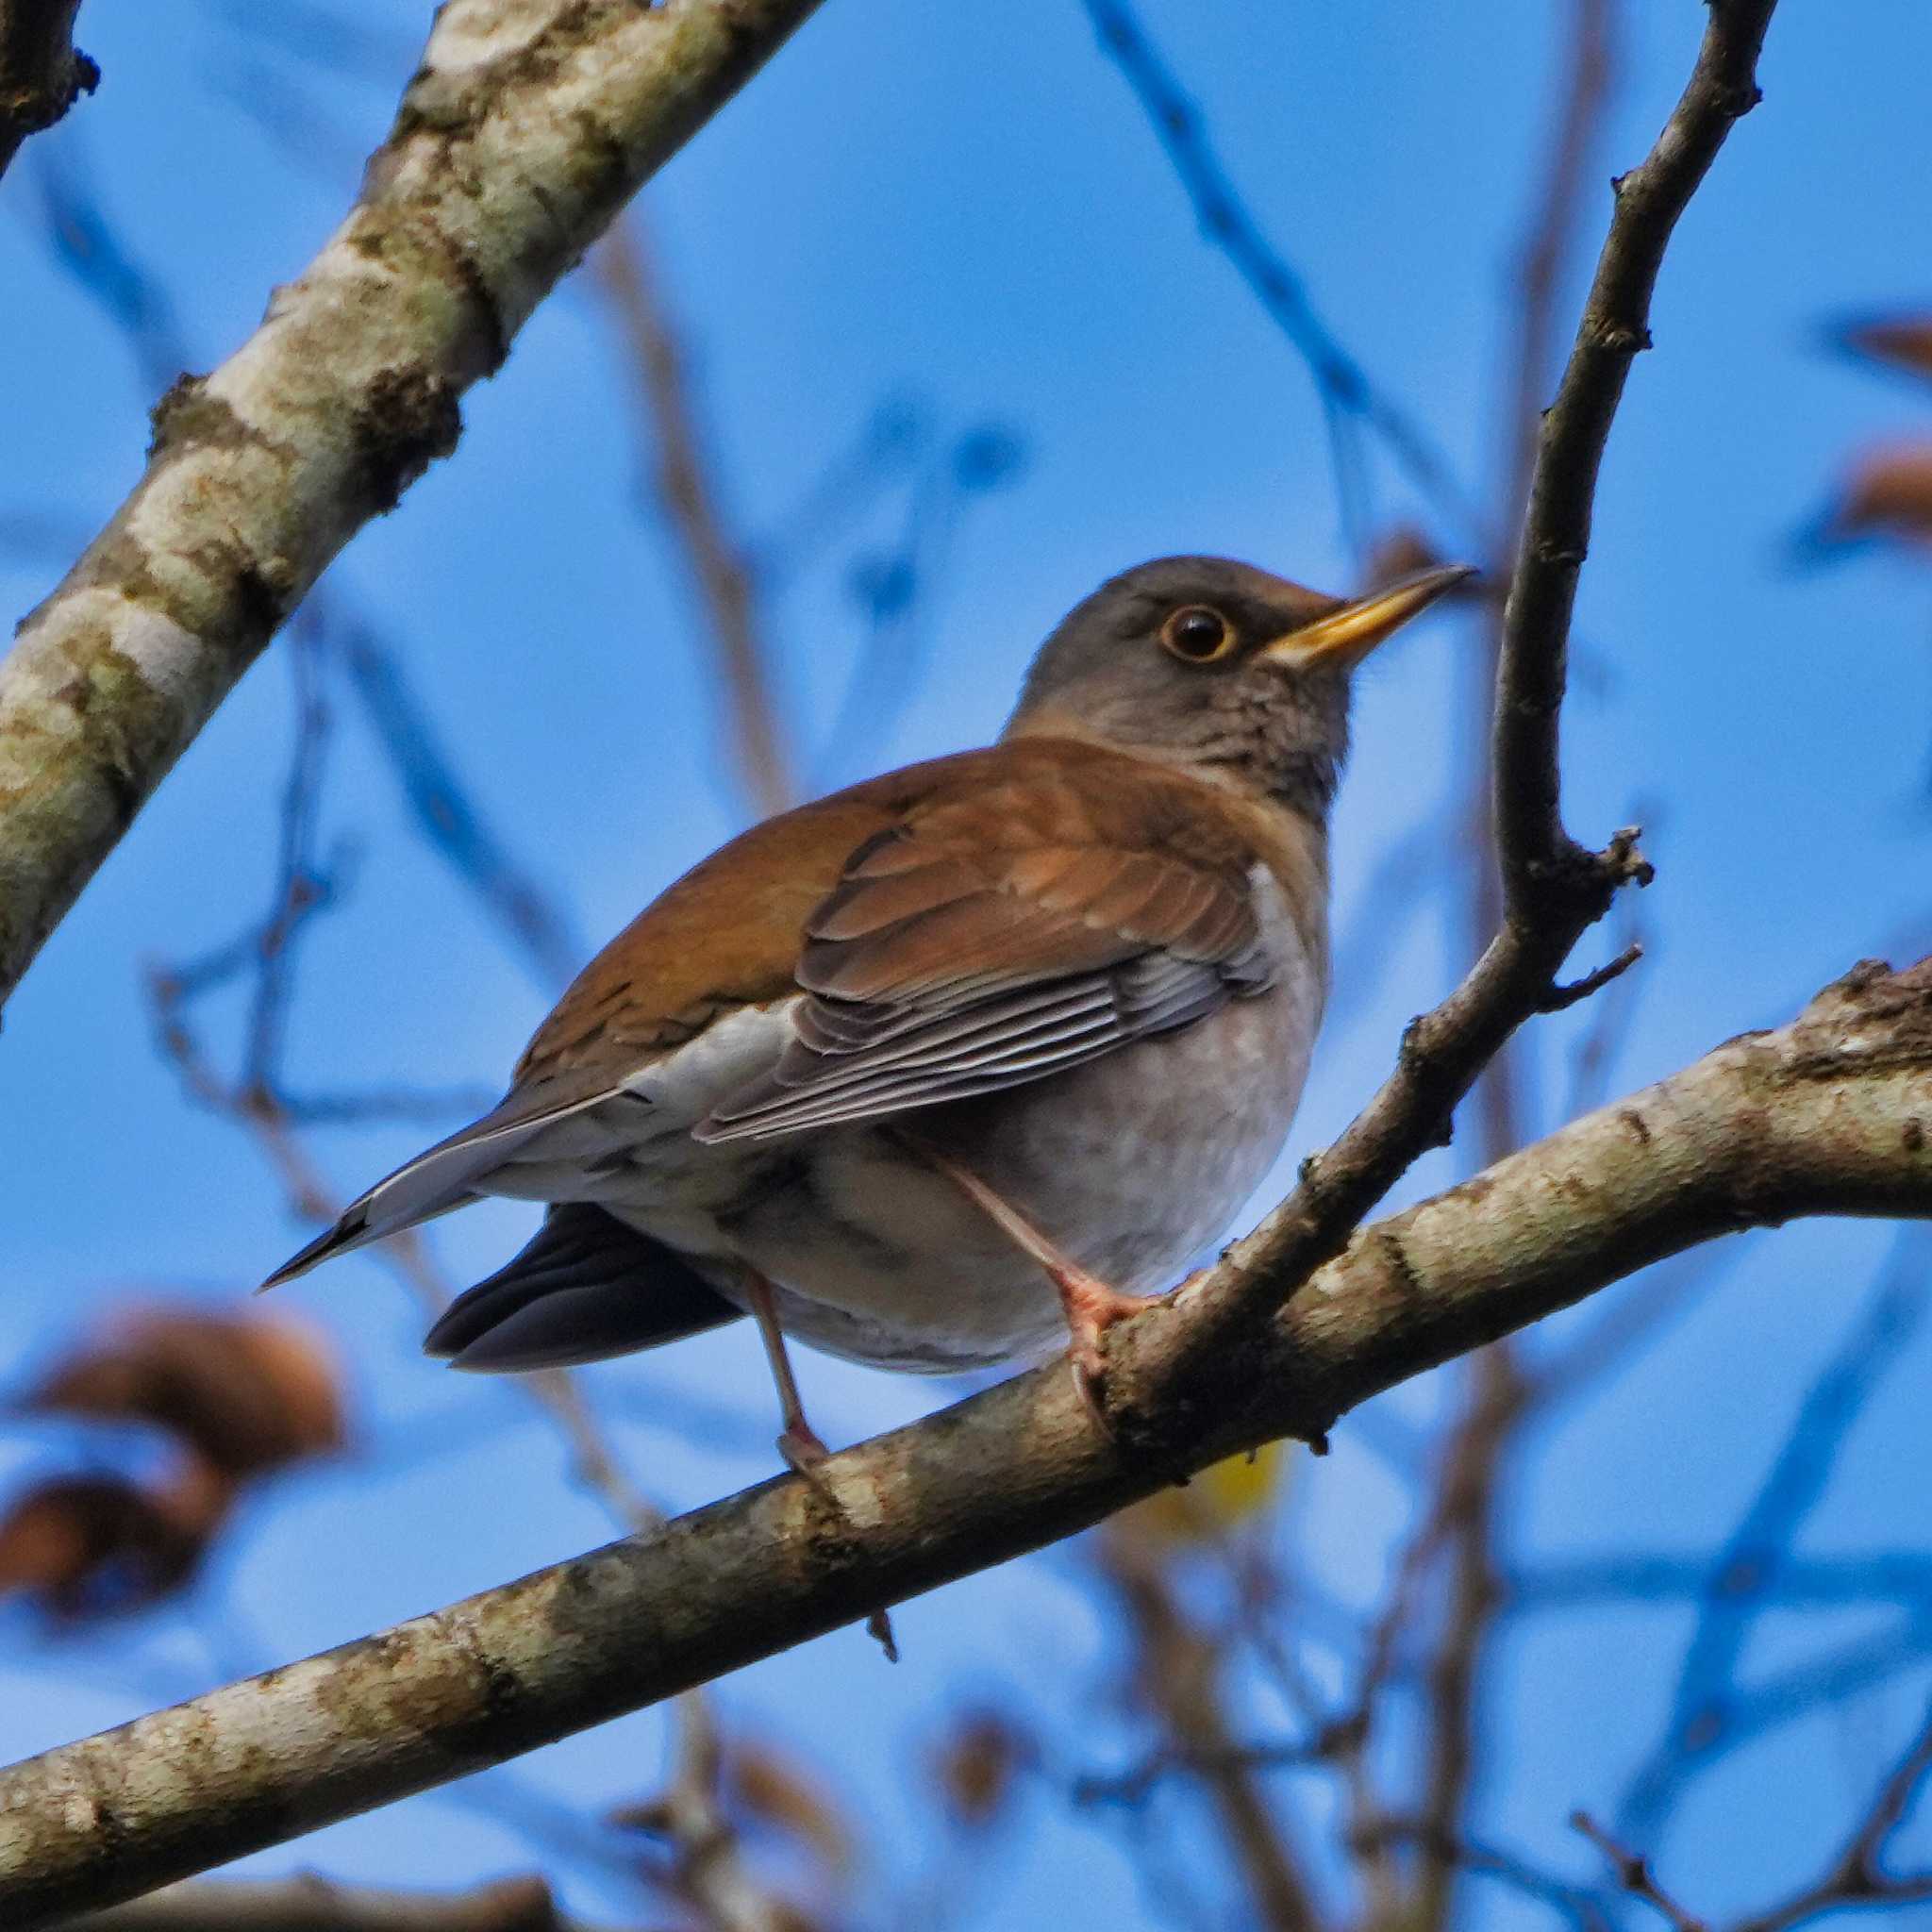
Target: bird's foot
point(799, 1444)
point(803, 1451)
point(1092, 1308)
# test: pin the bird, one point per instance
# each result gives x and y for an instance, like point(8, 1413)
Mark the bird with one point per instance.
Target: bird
point(959, 1063)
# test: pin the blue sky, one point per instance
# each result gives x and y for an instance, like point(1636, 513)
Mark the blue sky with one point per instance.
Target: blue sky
point(960, 212)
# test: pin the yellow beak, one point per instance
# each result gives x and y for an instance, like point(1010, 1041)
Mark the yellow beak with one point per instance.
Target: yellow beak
point(1343, 639)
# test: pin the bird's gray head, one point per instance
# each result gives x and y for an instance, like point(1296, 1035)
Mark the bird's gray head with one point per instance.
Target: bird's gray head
point(1206, 662)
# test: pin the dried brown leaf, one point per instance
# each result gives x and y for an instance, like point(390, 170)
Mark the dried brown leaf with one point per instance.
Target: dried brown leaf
point(1887, 493)
point(90, 1546)
point(976, 1766)
point(247, 1392)
point(789, 1798)
point(1902, 340)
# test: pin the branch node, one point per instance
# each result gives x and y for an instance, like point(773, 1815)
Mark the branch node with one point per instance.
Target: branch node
point(1562, 997)
point(1623, 863)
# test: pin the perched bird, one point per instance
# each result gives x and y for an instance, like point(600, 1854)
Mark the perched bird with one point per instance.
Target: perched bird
point(937, 1069)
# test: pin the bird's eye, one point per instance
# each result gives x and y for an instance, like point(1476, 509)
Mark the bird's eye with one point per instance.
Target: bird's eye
point(1197, 634)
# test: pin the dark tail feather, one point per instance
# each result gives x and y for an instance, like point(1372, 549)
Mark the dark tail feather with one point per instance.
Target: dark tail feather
point(585, 1289)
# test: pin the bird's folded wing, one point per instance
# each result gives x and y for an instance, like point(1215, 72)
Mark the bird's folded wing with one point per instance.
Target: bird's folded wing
point(993, 917)
point(1045, 912)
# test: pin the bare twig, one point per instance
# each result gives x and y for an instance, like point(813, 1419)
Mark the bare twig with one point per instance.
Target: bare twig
point(1483, 1860)
point(1824, 1115)
point(1463, 1523)
point(1857, 1877)
point(445, 810)
point(41, 72)
point(1178, 1670)
point(1744, 1575)
point(1634, 1876)
point(717, 561)
point(1349, 398)
point(1471, 1477)
point(1594, 1057)
point(1546, 873)
point(1552, 889)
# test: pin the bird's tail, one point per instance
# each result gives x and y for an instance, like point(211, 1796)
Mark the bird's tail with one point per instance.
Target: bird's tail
point(585, 1289)
point(447, 1175)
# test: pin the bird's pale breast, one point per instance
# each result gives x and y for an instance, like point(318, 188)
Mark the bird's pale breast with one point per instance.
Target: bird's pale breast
point(1132, 1163)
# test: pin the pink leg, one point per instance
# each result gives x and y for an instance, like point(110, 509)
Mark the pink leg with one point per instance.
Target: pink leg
point(798, 1441)
point(1091, 1306)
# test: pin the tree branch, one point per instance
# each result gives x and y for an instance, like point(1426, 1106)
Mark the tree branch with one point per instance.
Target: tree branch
point(1552, 889)
point(41, 72)
point(1178, 1670)
point(1546, 875)
point(1829, 1114)
point(526, 126)
point(306, 1903)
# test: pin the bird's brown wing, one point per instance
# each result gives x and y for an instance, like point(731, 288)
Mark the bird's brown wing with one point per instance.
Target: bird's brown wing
point(726, 936)
point(991, 916)
point(1051, 903)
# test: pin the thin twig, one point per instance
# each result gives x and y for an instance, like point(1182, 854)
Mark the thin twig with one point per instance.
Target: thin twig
point(1347, 393)
point(1483, 1860)
point(1743, 1575)
point(692, 502)
point(1178, 1670)
point(1542, 867)
point(1857, 1877)
point(1634, 1876)
point(1553, 889)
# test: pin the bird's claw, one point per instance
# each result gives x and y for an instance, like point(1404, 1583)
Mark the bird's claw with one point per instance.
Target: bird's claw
point(803, 1453)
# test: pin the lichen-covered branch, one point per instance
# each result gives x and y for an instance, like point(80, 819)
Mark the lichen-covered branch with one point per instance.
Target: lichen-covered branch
point(1830, 1114)
point(528, 125)
point(41, 72)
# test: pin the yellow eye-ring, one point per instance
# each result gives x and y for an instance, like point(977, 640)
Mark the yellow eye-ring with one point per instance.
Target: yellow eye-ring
point(1197, 634)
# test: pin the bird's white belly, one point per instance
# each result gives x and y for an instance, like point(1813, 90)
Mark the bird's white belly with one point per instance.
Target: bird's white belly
point(1131, 1164)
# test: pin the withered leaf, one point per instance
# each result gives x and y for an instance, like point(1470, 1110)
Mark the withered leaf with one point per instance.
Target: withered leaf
point(89, 1546)
point(247, 1393)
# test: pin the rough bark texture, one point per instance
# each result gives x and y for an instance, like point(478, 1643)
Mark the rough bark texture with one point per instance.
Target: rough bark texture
point(528, 126)
point(41, 72)
point(1830, 1114)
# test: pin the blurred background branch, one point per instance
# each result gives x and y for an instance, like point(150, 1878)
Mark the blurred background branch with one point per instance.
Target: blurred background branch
point(757, 742)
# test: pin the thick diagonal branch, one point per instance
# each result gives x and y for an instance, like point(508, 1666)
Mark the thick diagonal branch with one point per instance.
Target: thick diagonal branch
point(528, 125)
point(1829, 1115)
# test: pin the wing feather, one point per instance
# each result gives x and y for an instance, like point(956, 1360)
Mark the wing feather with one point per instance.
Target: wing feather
point(991, 940)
